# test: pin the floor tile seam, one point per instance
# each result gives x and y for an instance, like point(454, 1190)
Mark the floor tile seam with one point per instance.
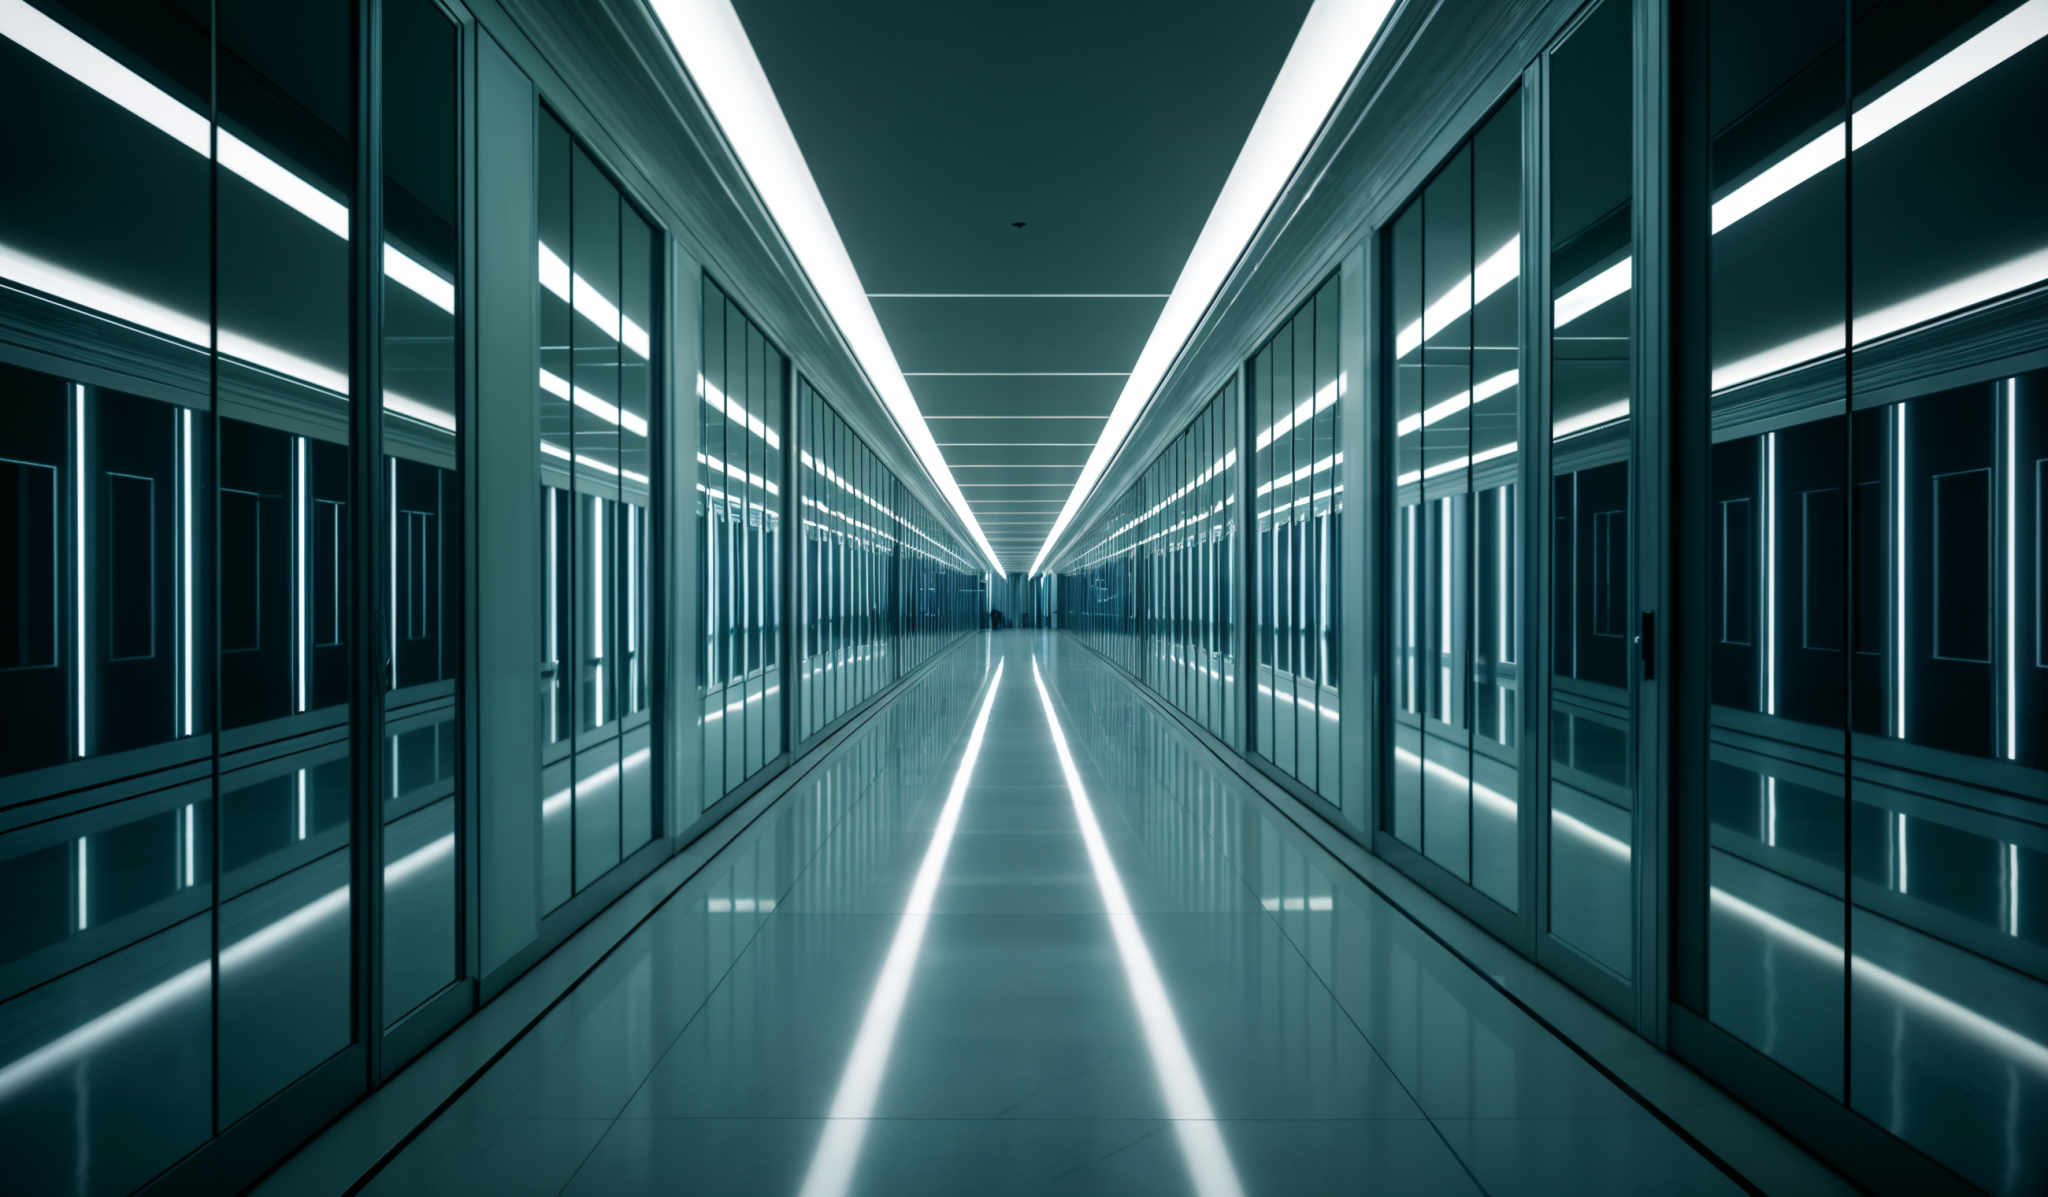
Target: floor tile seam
point(1102, 915)
point(761, 924)
point(1415, 921)
point(1367, 1040)
point(724, 975)
point(464, 1087)
point(861, 797)
point(1138, 1119)
point(754, 935)
point(1207, 833)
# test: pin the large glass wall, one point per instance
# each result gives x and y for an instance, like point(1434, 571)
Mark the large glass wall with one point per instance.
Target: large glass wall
point(241, 500)
point(595, 293)
point(741, 511)
point(1153, 591)
point(1099, 586)
point(1456, 522)
point(1297, 512)
point(939, 590)
point(176, 842)
point(1875, 731)
point(1185, 546)
point(849, 563)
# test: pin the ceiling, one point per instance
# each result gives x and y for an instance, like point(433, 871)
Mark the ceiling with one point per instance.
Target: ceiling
point(934, 128)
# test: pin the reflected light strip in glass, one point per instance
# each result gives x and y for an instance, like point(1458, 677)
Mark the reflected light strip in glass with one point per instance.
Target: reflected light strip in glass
point(2014, 274)
point(99, 299)
point(187, 667)
point(299, 785)
point(1497, 270)
point(391, 649)
point(195, 981)
point(2012, 532)
point(554, 384)
point(1444, 409)
point(91, 66)
point(1611, 283)
point(1974, 57)
point(78, 547)
point(1180, 1084)
point(1333, 40)
point(597, 604)
point(832, 1166)
point(301, 530)
point(590, 303)
point(2012, 890)
point(1771, 573)
point(1899, 570)
point(82, 888)
point(2001, 1039)
point(191, 846)
point(584, 459)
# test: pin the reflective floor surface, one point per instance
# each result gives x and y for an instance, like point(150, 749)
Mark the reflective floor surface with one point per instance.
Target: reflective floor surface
point(1021, 934)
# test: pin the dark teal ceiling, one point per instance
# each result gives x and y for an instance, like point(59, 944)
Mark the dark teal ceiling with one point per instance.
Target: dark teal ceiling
point(1107, 128)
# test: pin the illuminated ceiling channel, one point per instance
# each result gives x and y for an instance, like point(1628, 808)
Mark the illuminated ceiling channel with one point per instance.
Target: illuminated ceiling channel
point(1333, 39)
point(713, 47)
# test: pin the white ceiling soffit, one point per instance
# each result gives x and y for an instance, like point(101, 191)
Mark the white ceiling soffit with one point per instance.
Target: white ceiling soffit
point(714, 49)
point(1334, 37)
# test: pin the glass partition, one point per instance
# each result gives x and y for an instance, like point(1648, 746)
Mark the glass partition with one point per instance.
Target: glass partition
point(595, 287)
point(1589, 836)
point(1297, 507)
point(420, 543)
point(739, 482)
point(1873, 498)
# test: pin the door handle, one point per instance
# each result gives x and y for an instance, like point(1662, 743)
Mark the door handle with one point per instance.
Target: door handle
point(1646, 643)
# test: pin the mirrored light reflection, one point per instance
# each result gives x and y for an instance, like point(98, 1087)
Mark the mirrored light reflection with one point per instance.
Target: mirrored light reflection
point(831, 1171)
point(1187, 1102)
point(75, 1048)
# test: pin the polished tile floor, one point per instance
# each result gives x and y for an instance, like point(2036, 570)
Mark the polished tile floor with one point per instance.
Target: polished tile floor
point(1021, 935)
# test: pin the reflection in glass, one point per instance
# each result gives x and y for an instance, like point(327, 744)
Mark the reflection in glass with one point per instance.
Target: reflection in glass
point(1874, 578)
point(421, 539)
point(1456, 521)
point(739, 472)
point(597, 267)
point(1590, 833)
point(1296, 489)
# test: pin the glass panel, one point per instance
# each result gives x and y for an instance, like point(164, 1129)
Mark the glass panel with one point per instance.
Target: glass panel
point(1450, 287)
point(557, 440)
point(713, 608)
point(1326, 483)
point(1494, 509)
point(1403, 817)
point(1591, 826)
point(284, 87)
point(421, 540)
point(1776, 513)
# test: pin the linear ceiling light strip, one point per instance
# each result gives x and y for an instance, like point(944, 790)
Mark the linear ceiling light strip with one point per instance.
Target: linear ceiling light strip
point(1333, 39)
point(711, 43)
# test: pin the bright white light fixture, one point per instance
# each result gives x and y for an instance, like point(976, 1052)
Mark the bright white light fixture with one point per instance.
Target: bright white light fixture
point(1333, 39)
point(713, 46)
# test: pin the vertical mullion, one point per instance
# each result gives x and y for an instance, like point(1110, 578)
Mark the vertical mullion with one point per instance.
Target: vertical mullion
point(366, 500)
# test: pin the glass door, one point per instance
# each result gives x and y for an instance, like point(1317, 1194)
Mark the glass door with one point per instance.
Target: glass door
point(1587, 844)
point(419, 552)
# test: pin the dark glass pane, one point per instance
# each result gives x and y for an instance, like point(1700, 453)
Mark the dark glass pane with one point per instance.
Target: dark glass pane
point(1590, 831)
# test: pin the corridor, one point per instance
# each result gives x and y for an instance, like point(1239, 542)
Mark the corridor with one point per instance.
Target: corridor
point(1022, 933)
